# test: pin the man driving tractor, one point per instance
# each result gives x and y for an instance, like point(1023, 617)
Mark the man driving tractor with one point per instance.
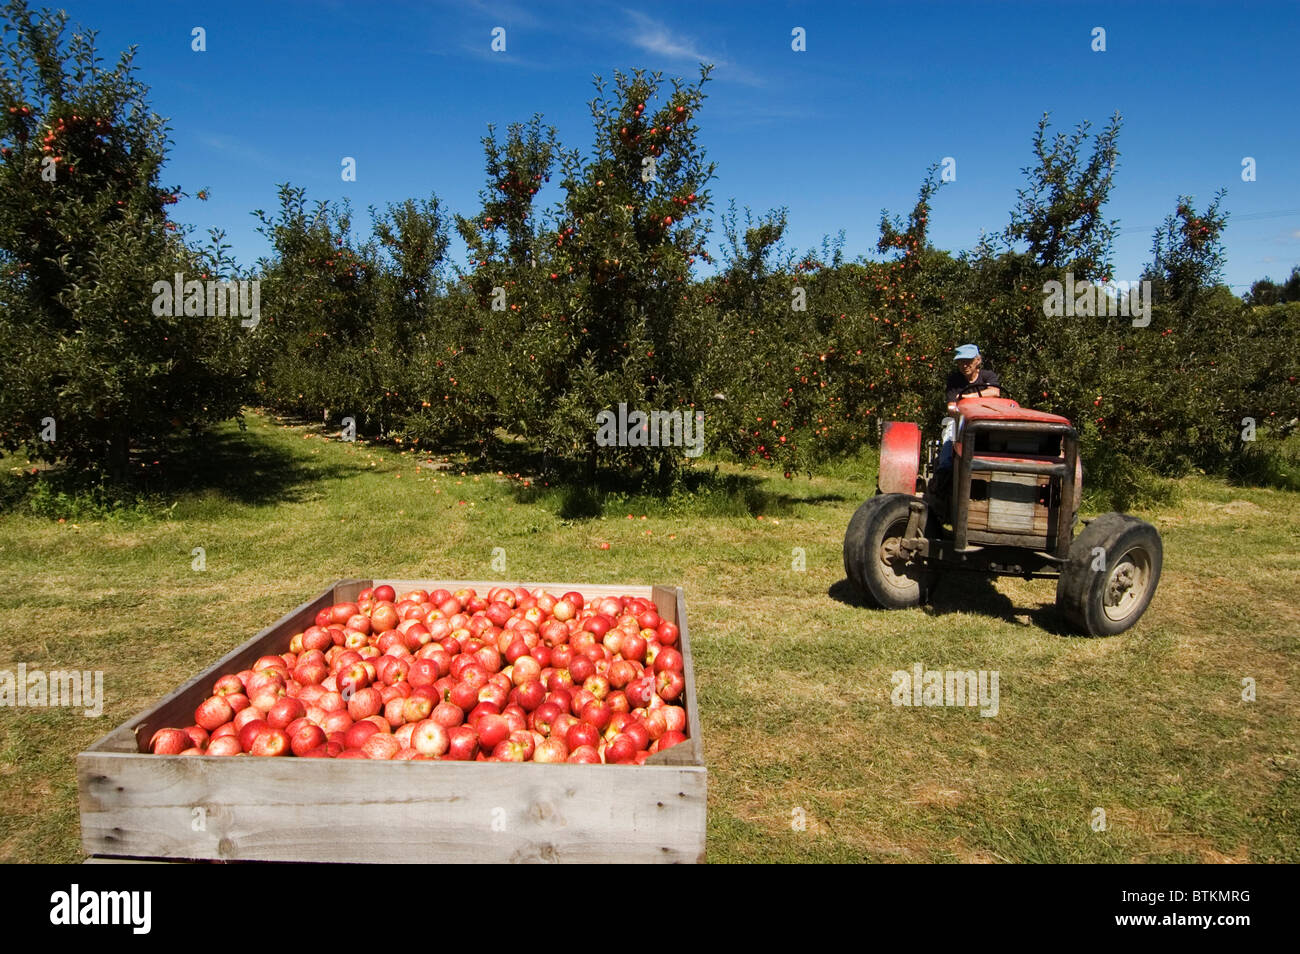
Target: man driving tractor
point(1005, 501)
point(969, 380)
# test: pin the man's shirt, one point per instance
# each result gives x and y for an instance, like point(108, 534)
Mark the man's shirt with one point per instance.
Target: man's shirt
point(957, 384)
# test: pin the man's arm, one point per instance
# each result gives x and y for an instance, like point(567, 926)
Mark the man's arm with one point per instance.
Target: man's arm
point(981, 387)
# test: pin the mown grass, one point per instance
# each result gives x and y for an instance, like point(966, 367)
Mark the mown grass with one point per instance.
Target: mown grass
point(808, 760)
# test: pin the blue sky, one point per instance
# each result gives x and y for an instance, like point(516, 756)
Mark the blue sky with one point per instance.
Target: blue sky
point(286, 89)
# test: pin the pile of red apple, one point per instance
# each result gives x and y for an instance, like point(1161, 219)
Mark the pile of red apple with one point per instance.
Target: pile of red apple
point(510, 677)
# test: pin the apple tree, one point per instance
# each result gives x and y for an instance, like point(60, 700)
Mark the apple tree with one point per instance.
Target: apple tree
point(1058, 216)
point(92, 367)
point(497, 337)
point(314, 351)
point(628, 230)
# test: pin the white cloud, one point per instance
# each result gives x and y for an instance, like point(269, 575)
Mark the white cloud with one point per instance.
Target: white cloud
point(656, 37)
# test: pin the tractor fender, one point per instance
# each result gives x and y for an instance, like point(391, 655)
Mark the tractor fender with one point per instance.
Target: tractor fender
point(900, 458)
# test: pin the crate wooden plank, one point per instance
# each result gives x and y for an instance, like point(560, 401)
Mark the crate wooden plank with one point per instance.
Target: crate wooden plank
point(108, 860)
point(141, 806)
point(421, 812)
point(671, 603)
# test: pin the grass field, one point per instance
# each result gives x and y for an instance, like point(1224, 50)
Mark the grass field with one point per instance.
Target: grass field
point(808, 760)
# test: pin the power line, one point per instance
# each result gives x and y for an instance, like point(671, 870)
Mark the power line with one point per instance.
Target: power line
point(1244, 217)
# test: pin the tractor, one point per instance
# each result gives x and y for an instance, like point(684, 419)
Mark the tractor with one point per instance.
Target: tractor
point(1007, 507)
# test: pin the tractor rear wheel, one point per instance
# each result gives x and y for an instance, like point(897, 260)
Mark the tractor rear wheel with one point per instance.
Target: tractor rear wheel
point(1111, 575)
point(886, 579)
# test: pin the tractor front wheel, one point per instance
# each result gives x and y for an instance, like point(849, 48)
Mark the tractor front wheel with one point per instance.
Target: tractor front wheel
point(871, 559)
point(1111, 575)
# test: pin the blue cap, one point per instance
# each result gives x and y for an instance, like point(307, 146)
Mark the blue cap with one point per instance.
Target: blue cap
point(966, 352)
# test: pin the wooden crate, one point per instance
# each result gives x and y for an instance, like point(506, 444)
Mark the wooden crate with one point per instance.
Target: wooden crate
point(137, 805)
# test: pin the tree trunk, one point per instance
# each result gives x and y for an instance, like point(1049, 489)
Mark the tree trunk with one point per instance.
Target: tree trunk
point(119, 455)
point(667, 470)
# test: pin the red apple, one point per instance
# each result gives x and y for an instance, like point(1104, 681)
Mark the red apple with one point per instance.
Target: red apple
point(365, 702)
point(584, 755)
point(226, 745)
point(429, 738)
point(598, 686)
point(636, 731)
point(540, 719)
point(416, 708)
point(245, 716)
point(448, 715)
point(227, 685)
point(515, 715)
point(582, 733)
point(381, 747)
point(620, 750)
point(670, 685)
point(621, 672)
point(332, 702)
point(462, 744)
point(170, 742)
point(384, 617)
point(634, 647)
point(597, 714)
point(551, 750)
point(656, 724)
point(581, 669)
point(269, 662)
point(403, 734)
point(640, 692)
point(494, 694)
point(669, 659)
point(492, 730)
point(313, 673)
point(464, 695)
point(212, 712)
point(271, 742)
point(306, 738)
point(357, 734)
point(528, 740)
point(425, 672)
point(669, 739)
point(342, 612)
point(530, 694)
point(336, 721)
point(561, 723)
point(509, 750)
point(284, 711)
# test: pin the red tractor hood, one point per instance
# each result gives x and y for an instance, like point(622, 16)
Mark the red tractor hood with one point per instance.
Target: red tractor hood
point(1005, 409)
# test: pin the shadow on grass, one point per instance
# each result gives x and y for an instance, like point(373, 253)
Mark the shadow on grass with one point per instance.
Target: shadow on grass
point(237, 467)
point(232, 465)
point(962, 592)
point(698, 493)
point(567, 488)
